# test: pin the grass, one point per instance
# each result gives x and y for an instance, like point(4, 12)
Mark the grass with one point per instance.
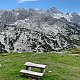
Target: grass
point(59, 66)
point(74, 51)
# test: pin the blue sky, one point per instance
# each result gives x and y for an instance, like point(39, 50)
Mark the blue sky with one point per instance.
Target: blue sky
point(62, 5)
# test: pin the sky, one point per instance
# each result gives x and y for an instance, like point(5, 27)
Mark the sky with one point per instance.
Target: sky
point(62, 5)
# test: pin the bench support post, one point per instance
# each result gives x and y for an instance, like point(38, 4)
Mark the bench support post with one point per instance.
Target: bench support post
point(28, 68)
point(42, 70)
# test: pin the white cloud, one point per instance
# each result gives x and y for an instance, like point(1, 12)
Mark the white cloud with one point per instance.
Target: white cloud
point(22, 1)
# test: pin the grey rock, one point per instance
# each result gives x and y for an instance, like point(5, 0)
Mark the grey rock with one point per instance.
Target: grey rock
point(29, 30)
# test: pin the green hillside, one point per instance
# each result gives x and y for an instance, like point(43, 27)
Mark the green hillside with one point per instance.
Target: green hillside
point(59, 66)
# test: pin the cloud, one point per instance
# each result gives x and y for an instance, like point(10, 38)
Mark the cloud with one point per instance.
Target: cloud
point(22, 1)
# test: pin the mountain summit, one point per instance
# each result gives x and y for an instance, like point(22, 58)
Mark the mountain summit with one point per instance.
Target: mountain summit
point(53, 10)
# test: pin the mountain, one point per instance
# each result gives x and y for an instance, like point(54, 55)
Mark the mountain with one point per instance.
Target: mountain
point(53, 10)
point(30, 30)
point(75, 18)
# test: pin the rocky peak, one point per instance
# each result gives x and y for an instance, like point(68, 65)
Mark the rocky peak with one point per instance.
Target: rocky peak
point(54, 10)
point(74, 13)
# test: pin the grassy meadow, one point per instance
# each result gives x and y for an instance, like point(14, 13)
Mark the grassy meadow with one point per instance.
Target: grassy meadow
point(59, 66)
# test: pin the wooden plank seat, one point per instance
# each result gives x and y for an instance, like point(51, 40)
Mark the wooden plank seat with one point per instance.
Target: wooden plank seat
point(32, 73)
point(30, 65)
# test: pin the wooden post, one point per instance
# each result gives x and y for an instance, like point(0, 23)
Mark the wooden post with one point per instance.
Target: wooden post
point(42, 70)
point(28, 68)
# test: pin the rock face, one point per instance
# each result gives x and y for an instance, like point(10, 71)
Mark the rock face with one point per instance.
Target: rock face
point(32, 30)
point(75, 18)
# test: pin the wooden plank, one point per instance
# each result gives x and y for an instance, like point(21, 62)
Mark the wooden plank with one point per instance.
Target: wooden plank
point(30, 64)
point(32, 73)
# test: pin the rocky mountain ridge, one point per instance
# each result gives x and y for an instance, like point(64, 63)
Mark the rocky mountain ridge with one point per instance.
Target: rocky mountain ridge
point(32, 30)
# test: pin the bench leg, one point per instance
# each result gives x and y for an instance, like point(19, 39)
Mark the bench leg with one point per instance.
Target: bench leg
point(25, 75)
point(28, 68)
point(42, 71)
point(37, 78)
point(33, 77)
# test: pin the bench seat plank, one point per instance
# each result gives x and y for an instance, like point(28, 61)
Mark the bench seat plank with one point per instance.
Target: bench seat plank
point(30, 64)
point(31, 73)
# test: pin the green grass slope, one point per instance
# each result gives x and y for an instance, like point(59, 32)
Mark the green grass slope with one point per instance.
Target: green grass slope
point(59, 66)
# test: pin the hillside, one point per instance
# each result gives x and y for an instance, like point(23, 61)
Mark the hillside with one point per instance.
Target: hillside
point(59, 66)
point(30, 30)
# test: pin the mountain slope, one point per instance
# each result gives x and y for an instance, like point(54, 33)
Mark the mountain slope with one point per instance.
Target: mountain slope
point(38, 31)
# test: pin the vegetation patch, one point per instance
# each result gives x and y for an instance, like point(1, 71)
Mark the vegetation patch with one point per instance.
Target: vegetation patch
point(59, 66)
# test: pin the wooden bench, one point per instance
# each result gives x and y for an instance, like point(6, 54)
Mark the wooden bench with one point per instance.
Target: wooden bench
point(29, 66)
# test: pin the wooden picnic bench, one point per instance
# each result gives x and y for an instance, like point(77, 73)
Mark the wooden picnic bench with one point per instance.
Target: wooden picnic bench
point(30, 73)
